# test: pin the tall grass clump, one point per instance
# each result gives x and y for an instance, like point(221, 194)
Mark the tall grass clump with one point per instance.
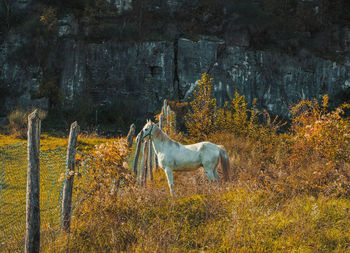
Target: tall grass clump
point(18, 120)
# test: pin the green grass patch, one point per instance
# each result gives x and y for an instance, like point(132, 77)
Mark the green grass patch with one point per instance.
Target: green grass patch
point(13, 176)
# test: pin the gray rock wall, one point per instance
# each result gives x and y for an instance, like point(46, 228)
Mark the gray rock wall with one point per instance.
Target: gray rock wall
point(145, 73)
point(142, 73)
point(275, 79)
point(18, 81)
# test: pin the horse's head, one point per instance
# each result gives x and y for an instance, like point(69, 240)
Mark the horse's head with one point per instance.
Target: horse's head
point(147, 130)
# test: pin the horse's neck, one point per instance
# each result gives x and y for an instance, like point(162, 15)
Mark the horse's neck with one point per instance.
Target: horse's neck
point(161, 142)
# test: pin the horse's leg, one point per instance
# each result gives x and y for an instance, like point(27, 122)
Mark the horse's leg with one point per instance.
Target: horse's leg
point(209, 169)
point(216, 174)
point(169, 175)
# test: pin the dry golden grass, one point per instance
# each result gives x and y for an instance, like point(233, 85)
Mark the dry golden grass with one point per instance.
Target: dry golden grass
point(201, 218)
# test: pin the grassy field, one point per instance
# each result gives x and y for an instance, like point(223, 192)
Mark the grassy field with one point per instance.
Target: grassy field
point(239, 216)
point(287, 191)
point(243, 215)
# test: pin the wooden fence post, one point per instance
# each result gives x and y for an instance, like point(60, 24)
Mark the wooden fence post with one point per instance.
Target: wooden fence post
point(131, 135)
point(173, 122)
point(160, 123)
point(32, 237)
point(144, 164)
point(168, 119)
point(164, 108)
point(68, 185)
point(137, 152)
point(150, 159)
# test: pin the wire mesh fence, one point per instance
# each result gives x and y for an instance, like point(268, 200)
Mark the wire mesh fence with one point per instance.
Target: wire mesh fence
point(13, 176)
point(13, 187)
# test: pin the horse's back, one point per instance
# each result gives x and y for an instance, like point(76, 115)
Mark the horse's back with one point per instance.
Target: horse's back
point(207, 151)
point(203, 146)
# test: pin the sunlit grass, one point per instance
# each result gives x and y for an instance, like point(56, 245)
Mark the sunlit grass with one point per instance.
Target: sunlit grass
point(227, 219)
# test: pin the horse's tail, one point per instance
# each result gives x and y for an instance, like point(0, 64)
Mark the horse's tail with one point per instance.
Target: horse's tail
point(225, 163)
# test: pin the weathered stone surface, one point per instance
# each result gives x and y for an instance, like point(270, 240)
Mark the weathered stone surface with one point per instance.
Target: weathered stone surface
point(18, 82)
point(121, 5)
point(73, 76)
point(275, 79)
point(194, 58)
point(140, 73)
point(67, 26)
point(144, 73)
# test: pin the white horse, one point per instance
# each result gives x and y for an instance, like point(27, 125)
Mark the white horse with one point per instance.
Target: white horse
point(173, 156)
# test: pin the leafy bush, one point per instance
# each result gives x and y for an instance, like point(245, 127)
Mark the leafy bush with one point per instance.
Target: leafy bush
point(320, 156)
point(49, 19)
point(82, 109)
point(107, 172)
point(106, 176)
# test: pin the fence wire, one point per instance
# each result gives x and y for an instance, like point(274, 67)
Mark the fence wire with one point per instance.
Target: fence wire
point(13, 183)
point(13, 187)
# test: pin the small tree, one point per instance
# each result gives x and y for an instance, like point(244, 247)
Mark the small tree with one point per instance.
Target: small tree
point(201, 115)
point(237, 116)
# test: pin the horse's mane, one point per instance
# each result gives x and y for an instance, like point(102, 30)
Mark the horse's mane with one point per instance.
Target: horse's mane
point(160, 135)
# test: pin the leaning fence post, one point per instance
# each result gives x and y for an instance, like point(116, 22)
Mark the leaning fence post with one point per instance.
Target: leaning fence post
point(32, 237)
point(173, 122)
point(130, 135)
point(68, 186)
point(137, 152)
point(145, 163)
point(161, 121)
point(164, 108)
point(168, 119)
point(150, 159)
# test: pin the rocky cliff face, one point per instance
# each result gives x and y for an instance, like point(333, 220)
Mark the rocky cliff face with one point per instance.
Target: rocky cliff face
point(17, 80)
point(275, 79)
point(143, 73)
point(140, 73)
